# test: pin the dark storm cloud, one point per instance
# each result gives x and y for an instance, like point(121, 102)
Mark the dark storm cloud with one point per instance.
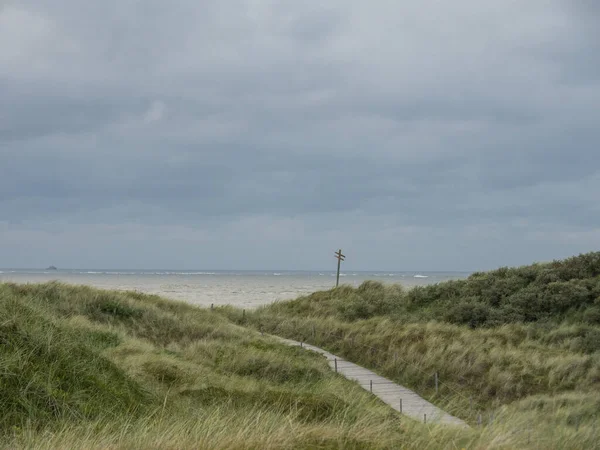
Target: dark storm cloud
point(250, 123)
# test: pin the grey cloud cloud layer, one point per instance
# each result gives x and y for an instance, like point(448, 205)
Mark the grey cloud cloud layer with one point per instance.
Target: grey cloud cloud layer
point(438, 129)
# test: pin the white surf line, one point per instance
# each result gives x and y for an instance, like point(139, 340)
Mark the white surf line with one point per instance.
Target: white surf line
point(398, 397)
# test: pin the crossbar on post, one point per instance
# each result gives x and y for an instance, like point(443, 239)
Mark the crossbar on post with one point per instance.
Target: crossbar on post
point(340, 258)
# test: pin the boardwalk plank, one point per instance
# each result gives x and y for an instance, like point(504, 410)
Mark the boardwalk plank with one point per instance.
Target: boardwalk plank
point(413, 405)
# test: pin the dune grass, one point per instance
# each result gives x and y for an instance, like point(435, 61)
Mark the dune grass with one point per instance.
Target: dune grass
point(516, 347)
point(85, 368)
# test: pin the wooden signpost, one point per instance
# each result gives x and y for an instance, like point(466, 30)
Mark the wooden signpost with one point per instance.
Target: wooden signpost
point(340, 258)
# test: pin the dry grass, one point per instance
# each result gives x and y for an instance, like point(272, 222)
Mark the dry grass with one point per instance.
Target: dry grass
point(520, 347)
point(83, 368)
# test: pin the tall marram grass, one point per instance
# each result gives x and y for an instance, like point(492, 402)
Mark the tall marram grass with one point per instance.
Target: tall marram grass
point(518, 347)
point(84, 368)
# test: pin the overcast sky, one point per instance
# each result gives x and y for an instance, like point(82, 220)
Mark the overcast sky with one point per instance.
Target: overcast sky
point(256, 134)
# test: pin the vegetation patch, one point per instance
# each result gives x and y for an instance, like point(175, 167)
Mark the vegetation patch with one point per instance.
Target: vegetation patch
point(305, 406)
point(514, 342)
point(517, 353)
point(83, 368)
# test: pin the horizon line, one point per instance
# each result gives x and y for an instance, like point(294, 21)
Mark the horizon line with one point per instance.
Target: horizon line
point(231, 270)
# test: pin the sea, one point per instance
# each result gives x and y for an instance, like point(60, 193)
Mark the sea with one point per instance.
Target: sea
point(247, 289)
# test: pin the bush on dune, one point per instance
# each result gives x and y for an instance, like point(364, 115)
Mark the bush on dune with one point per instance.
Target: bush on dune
point(517, 341)
point(557, 291)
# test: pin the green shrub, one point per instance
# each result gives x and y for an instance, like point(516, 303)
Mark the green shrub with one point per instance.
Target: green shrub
point(592, 315)
point(536, 293)
point(469, 312)
point(354, 307)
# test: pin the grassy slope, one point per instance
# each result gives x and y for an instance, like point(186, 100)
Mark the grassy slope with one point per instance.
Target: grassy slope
point(522, 343)
point(83, 368)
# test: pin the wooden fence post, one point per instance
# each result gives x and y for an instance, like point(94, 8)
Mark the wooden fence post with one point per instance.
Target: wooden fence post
point(340, 258)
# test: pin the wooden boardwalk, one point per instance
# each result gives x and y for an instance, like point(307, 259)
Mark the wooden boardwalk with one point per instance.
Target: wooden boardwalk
point(395, 395)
